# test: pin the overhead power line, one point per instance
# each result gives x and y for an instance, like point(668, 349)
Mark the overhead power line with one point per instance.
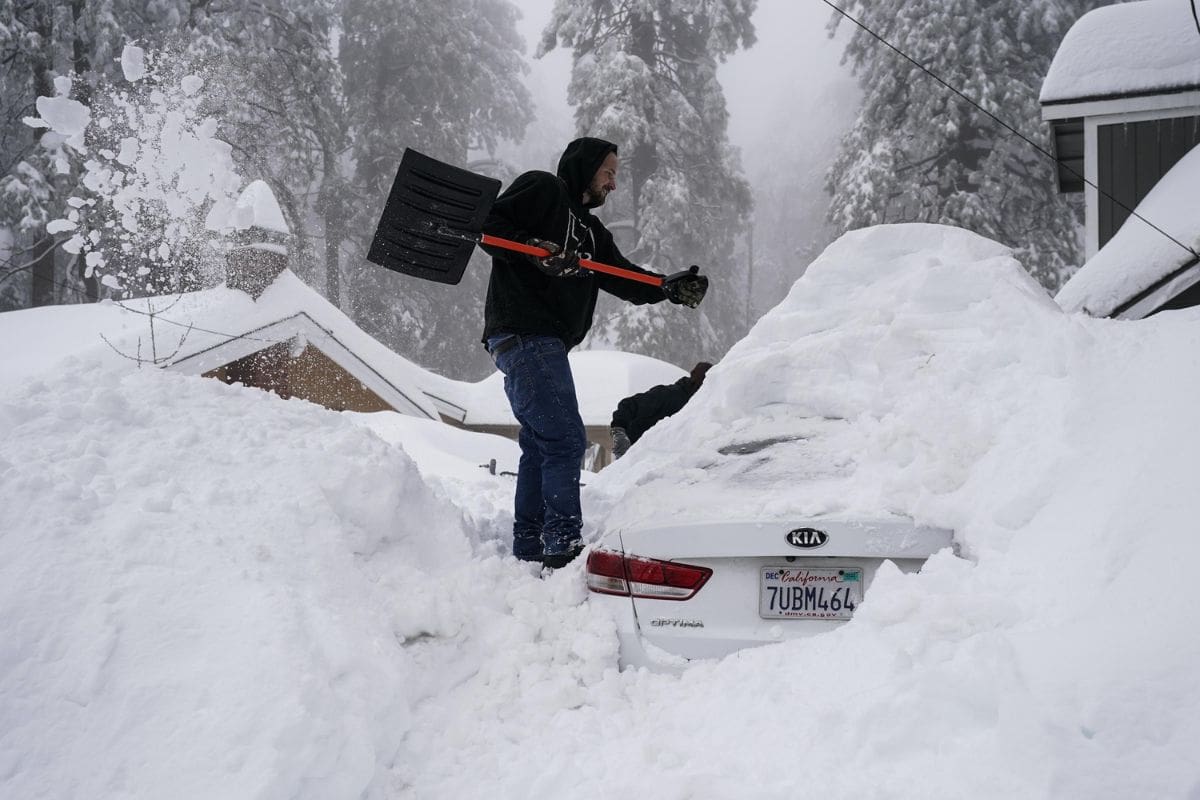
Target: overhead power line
point(1005, 125)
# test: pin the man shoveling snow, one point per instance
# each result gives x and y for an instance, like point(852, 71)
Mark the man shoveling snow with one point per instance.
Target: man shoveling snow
point(537, 309)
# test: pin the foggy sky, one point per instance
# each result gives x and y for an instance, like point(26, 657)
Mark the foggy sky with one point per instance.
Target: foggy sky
point(776, 91)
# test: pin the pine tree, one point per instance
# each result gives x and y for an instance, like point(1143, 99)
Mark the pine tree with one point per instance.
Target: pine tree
point(919, 153)
point(41, 42)
point(445, 79)
point(288, 121)
point(266, 42)
point(644, 77)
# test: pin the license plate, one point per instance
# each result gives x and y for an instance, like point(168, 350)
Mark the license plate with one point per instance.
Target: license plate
point(809, 593)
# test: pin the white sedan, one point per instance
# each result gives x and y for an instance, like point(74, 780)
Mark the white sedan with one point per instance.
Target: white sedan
point(690, 591)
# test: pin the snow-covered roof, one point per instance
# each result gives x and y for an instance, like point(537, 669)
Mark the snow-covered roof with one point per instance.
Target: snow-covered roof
point(1138, 258)
point(602, 379)
point(199, 331)
point(1128, 49)
point(289, 308)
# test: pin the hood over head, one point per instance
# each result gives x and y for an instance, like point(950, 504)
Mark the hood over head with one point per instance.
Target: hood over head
point(579, 163)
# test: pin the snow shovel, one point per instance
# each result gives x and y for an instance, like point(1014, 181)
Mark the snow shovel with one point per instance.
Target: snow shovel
point(434, 218)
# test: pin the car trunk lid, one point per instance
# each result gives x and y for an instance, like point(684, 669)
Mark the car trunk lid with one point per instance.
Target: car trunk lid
point(877, 538)
point(727, 612)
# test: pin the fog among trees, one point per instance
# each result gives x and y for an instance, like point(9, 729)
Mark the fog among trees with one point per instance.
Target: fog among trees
point(752, 133)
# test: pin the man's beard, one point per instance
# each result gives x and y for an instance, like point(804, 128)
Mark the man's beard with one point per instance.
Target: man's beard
point(596, 197)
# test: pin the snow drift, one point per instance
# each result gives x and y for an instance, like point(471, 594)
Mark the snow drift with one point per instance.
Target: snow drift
point(905, 356)
point(206, 591)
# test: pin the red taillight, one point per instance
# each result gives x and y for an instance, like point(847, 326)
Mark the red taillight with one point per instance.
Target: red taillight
point(609, 572)
point(606, 572)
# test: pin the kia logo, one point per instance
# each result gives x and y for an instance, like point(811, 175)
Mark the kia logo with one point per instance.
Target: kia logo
point(808, 538)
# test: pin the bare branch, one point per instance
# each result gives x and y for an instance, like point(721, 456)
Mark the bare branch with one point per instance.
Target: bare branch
point(13, 270)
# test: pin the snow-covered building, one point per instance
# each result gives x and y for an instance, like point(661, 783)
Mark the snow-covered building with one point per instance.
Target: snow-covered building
point(305, 347)
point(290, 339)
point(1123, 98)
point(264, 328)
point(1141, 271)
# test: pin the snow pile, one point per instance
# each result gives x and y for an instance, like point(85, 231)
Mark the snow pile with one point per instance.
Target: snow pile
point(1126, 48)
point(209, 592)
point(457, 465)
point(206, 591)
point(915, 369)
point(931, 377)
point(1137, 257)
point(874, 388)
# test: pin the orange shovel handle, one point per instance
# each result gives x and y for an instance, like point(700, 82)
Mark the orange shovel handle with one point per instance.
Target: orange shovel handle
point(594, 266)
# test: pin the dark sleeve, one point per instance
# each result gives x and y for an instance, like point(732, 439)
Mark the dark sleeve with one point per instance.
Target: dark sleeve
point(647, 409)
point(626, 413)
point(529, 200)
point(632, 291)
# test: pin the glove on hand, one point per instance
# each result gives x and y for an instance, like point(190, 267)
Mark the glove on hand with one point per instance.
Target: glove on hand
point(558, 264)
point(621, 441)
point(686, 288)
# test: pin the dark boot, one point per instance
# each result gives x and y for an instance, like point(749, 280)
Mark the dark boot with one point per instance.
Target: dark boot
point(561, 559)
point(527, 548)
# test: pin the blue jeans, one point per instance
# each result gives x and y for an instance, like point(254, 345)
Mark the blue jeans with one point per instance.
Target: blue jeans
point(541, 391)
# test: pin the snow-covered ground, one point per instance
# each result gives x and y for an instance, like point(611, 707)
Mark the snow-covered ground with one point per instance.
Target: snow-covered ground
point(206, 591)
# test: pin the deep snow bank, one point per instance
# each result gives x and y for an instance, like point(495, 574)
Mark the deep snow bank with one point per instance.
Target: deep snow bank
point(206, 591)
point(922, 372)
point(903, 356)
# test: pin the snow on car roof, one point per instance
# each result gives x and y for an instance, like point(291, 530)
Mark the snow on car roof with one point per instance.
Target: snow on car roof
point(1148, 47)
point(1138, 256)
point(872, 386)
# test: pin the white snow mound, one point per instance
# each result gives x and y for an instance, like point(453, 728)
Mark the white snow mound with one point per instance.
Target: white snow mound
point(206, 591)
point(883, 377)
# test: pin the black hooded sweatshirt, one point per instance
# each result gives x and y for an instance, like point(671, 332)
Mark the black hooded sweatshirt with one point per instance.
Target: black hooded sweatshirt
point(521, 298)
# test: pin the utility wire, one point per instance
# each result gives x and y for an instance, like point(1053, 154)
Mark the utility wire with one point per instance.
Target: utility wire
point(1195, 17)
point(1004, 124)
point(189, 326)
point(158, 317)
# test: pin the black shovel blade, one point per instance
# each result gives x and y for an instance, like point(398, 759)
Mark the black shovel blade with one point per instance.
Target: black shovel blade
point(427, 196)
